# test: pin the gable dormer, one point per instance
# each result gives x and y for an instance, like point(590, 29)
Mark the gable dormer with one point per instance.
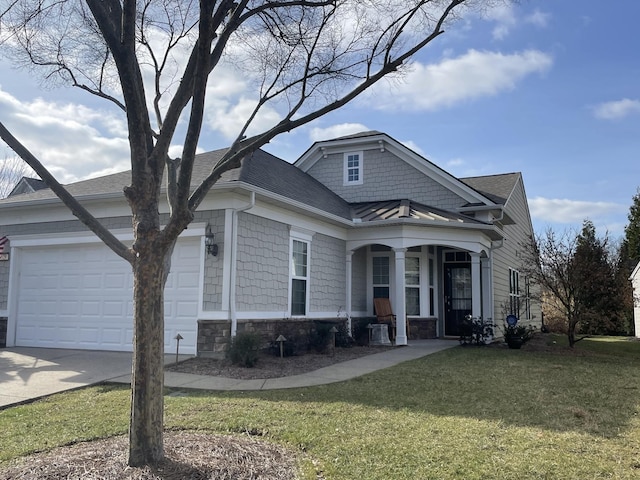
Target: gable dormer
point(372, 167)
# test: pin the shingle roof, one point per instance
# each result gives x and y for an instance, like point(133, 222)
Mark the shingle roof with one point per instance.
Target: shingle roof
point(27, 185)
point(497, 188)
point(260, 169)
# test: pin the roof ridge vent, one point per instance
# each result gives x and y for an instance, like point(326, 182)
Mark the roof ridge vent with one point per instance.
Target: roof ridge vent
point(404, 211)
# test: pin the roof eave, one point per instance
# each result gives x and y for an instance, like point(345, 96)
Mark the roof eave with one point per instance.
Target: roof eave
point(491, 230)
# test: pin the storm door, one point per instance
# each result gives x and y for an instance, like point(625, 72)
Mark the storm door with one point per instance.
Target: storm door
point(457, 296)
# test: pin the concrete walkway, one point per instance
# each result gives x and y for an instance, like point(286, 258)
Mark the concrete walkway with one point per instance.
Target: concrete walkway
point(331, 374)
point(30, 373)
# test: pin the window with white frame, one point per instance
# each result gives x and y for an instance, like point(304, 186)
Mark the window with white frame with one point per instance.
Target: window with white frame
point(353, 168)
point(381, 276)
point(299, 277)
point(514, 292)
point(412, 284)
point(432, 285)
point(526, 300)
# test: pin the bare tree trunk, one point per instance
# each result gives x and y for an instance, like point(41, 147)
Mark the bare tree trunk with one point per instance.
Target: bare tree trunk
point(150, 271)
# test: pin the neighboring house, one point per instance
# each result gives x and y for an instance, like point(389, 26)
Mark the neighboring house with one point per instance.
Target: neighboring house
point(354, 218)
point(27, 185)
point(635, 284)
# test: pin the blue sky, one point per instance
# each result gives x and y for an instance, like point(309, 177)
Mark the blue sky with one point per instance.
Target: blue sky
point(550, 88)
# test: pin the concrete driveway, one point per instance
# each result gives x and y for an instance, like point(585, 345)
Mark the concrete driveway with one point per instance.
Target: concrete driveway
point(27, 373)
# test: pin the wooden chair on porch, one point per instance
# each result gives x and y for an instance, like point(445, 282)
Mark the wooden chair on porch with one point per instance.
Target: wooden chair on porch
point(384, 314)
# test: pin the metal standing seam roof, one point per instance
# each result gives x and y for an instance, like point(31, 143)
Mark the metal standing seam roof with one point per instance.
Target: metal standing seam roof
point(399, 209)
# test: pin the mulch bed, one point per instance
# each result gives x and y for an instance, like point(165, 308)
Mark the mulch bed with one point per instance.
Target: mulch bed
point(270, 366)
point(188, 455)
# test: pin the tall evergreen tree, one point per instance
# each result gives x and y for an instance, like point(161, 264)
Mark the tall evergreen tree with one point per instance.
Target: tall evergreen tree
point(596, 291)
point(632, 231)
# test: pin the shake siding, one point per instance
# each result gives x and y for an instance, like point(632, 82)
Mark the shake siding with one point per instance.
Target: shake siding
point(359, 280)
point(213, 271)
point(262, 280)
point(328, 274)
point(385, 177)
point(510, 255)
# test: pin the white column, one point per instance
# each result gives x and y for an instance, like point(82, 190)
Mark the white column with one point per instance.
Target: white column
point(400, 303)
point(487, 290)
point(476, 289)
point(348, 283)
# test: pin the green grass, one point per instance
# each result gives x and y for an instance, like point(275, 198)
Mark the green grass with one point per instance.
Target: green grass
point(464, 413)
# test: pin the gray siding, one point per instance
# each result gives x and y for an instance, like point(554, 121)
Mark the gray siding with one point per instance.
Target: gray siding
point(213, 266)
point(385, 177)
point(262, 265)
point(359, 280)
point(328, 274)
point(509, 255)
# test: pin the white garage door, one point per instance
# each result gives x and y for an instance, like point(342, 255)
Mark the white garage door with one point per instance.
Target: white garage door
point(80, 296)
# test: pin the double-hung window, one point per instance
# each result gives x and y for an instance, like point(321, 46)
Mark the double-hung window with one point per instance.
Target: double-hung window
point(299, 277)
point(353, 168)
point(514, 292)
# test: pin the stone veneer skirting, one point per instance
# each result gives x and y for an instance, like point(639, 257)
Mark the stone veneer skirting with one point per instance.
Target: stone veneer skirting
point(422, 328)
point(3, 332)
point(214, 335)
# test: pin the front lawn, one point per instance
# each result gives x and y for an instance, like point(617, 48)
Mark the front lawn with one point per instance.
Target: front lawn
point(472, 413)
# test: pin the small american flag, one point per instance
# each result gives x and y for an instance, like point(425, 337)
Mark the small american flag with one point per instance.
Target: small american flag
point(3, 242)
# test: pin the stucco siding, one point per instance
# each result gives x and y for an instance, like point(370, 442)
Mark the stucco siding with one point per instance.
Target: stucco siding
point(385, 177)
point(328, 274)
point(262, 265)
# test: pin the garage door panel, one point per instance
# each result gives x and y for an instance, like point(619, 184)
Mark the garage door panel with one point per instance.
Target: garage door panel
point(81, 297)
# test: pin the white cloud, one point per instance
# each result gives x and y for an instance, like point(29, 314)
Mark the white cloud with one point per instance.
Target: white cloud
point(617, 109)
point(340, 130)
point(503, 14)
point(571, 211)
point(454, 80)
point(539, 19)
point(73, 141)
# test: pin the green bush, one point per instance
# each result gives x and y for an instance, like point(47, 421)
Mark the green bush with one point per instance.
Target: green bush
point(244, 349)
point(320, 336)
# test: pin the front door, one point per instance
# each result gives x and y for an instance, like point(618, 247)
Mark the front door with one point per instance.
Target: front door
point(457, 296)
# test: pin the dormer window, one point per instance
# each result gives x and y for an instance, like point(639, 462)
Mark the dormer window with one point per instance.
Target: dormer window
point(353, 168)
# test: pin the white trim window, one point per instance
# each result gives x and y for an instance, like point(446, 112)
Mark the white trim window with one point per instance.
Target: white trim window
point(299, 296)
point(353, 168)
point(412, 284)
point(514, 292)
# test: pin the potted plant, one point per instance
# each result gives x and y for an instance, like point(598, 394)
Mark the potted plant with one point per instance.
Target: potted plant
point(517, 335)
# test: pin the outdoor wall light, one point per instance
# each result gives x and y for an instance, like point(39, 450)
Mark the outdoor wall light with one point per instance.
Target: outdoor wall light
point(212, 248)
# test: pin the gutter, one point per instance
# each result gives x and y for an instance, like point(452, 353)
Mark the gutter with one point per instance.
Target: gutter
point(233, 269)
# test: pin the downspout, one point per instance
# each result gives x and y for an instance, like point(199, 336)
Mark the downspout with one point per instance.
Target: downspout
point(233, 269)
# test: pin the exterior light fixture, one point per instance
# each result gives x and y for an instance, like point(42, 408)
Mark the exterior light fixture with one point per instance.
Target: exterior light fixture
point(212, 248)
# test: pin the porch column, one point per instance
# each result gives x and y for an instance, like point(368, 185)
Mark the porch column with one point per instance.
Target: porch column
point(348, 283)
point(476, 289)
point(400, 306)
point(487, 290)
